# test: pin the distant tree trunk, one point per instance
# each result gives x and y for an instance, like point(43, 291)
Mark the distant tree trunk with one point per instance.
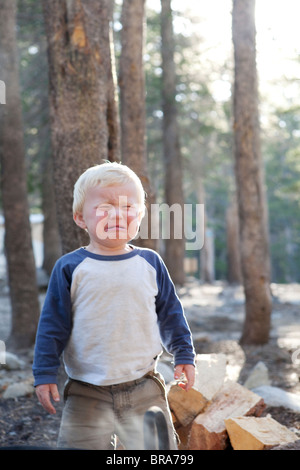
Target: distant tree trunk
point(113, 118)
point(18, 243)
point(290, 255)
point(51, 238)
point(82, 106)
point(234, 273)
point(207, 258)
point(249, 176)
point(175, 248)
point(133, 101)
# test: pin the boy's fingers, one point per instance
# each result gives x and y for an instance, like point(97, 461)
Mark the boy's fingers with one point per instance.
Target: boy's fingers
point(189, 372)
point(44, 393)
point(178, 372)
point(190, 376)
point(54, 392)
point(44, 397)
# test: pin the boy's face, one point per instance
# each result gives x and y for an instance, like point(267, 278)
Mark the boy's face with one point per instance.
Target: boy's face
point(110, 214)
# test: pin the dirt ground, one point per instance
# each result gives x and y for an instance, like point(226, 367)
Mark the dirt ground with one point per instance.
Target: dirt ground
point(215, 314)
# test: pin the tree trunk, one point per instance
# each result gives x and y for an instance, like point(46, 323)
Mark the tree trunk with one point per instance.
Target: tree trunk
point(51, 238)
point(113, 118)
point(207, 253)
point(133, 103)
point(175, 247)
point(234, 273)
point(82, 99)
point(18, 243)
point(249, 177)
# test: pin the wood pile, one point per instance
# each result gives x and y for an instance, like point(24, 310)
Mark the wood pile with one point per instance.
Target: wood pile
point(217, 412)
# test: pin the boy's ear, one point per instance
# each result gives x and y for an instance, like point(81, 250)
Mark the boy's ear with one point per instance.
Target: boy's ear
point(78, 219)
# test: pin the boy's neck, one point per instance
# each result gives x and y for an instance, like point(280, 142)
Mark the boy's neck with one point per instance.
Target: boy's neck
point(108, 251)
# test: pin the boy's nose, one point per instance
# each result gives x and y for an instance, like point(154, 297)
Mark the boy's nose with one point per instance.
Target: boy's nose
point(117, 213)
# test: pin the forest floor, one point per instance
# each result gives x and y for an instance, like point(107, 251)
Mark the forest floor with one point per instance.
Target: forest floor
point(215, 314)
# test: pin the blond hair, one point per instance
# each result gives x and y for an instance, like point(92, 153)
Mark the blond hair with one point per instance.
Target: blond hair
point(106, 174)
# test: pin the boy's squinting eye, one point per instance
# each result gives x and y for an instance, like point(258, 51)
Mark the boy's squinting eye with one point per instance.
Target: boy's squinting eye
point(103, 209)
point(129, 209)
point(132, 210)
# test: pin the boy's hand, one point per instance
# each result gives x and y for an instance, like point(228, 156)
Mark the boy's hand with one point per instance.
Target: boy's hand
point(189, 371)
point(45, 393)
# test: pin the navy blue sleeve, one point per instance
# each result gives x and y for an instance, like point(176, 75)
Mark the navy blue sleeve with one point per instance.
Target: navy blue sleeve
point(174, 330)
point(54, 326)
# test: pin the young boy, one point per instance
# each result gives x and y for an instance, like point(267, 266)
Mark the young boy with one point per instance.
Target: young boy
point(108, 308)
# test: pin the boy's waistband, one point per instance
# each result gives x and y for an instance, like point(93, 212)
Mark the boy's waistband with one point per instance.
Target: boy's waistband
point(124, 385)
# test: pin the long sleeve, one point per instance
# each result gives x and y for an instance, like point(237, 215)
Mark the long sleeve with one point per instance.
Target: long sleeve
point(54, 326)
point(174, 329)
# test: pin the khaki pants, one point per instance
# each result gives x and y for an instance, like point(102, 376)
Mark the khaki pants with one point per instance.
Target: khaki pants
point(93, 415)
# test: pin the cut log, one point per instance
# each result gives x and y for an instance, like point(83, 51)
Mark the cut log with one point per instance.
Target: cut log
point(249, 433)
point(210, 376)
point(208, 431)
point(183, 433)
point(185, 405)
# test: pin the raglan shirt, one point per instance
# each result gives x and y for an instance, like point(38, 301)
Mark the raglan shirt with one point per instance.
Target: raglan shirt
point(109, 316)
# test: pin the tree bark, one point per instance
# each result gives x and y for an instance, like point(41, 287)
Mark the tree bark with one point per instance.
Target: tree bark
point(249, 177)
point(113, 118)
point(207, 253)
point(82, 99)
point(51, 238)
point(133, 103)
point(234, 272)
point(18, 244)
point(175, 247)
